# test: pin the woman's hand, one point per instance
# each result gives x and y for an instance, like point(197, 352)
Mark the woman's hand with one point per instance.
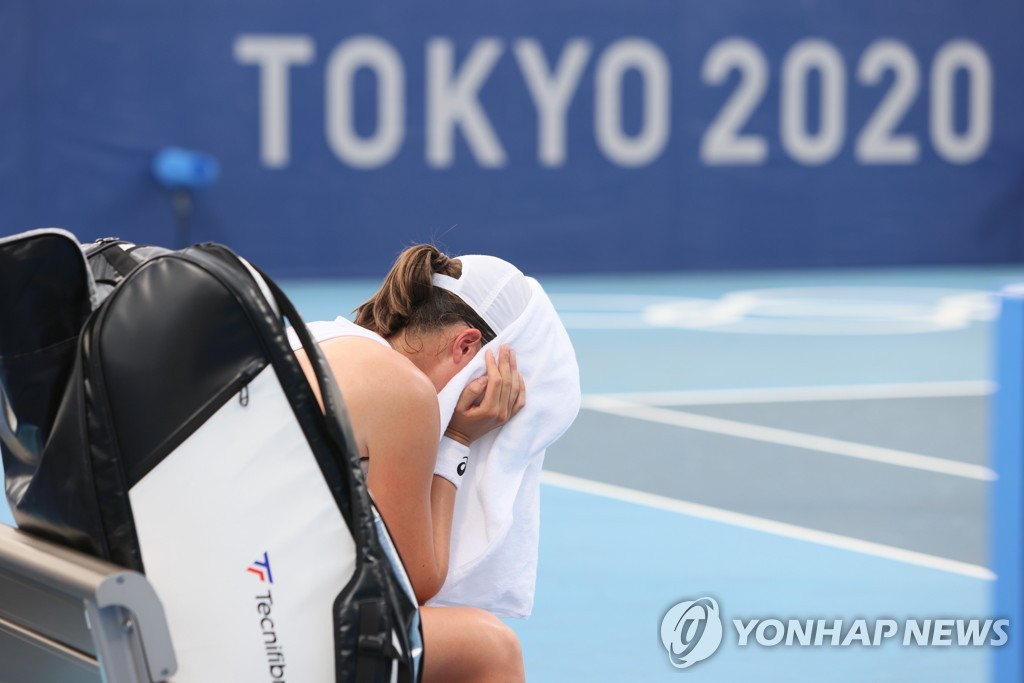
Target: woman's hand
point(490, 400)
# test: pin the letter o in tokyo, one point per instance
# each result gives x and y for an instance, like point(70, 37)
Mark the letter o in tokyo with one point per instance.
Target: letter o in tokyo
point(365, 52)
point(646, 58)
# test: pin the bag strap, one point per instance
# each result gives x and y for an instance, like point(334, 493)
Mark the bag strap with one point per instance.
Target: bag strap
point(329, 392)
point(376, 653)
point(334, 412)
point(118, 258)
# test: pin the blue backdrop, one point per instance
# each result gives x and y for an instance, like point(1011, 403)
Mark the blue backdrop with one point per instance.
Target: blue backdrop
point(563, 135)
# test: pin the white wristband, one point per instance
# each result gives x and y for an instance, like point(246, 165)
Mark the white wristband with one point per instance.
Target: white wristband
point(452, 458)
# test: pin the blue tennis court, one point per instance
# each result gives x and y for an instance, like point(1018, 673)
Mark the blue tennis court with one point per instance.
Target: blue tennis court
point(796, 446)
point(822, 455)
point(809, 445)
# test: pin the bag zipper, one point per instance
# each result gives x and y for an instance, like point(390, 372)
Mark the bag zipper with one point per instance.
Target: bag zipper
point(247, 375)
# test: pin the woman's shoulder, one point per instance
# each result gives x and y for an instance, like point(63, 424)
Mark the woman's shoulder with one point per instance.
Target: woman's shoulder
point(390, 401)
point(378, 371)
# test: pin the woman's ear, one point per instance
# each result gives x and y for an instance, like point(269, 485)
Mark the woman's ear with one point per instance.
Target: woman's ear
point(466, 346)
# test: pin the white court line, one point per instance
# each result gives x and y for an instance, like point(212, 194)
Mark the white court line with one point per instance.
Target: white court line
point(766, 525)
point(785, 437)
point(823, 393)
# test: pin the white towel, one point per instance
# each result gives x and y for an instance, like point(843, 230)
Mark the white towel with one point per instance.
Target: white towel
point(496, 528)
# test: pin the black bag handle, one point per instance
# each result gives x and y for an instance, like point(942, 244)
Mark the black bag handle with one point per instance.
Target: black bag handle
point(118, 258)
point(330, 394)
point(374, 627)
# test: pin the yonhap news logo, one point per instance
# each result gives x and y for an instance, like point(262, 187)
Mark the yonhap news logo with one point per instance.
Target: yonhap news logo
point(693, 630)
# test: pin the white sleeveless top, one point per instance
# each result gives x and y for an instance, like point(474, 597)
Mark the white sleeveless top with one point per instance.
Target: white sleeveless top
point(322, 330)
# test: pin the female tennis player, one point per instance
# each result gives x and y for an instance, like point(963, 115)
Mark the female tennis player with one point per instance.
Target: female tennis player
point(407, 342)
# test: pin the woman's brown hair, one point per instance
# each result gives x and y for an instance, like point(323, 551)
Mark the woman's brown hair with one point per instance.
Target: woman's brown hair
point(409, 300)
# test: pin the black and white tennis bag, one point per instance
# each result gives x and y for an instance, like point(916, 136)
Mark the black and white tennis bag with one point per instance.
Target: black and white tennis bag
point(170, 429)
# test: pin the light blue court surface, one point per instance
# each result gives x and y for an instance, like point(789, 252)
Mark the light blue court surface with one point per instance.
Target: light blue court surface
point(612, 569)
point(617, 554)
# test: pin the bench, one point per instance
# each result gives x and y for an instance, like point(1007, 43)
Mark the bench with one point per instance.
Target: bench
point(66, 616)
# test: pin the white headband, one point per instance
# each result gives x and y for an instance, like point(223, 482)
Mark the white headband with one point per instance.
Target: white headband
point(494, 288)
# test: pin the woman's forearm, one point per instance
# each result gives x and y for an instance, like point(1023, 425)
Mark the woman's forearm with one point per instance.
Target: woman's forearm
point(442, 505)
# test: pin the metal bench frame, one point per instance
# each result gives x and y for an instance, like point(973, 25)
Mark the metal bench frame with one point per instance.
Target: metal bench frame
point(66, 616)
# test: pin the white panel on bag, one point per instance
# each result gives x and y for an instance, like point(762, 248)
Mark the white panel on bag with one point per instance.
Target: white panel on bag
point(245, 546)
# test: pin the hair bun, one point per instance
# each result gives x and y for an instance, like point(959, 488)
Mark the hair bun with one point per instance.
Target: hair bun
point(438, 261)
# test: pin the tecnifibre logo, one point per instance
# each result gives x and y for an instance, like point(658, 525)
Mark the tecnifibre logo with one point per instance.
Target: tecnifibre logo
point(273, 649)
point(261, 568)
point(692, 630)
